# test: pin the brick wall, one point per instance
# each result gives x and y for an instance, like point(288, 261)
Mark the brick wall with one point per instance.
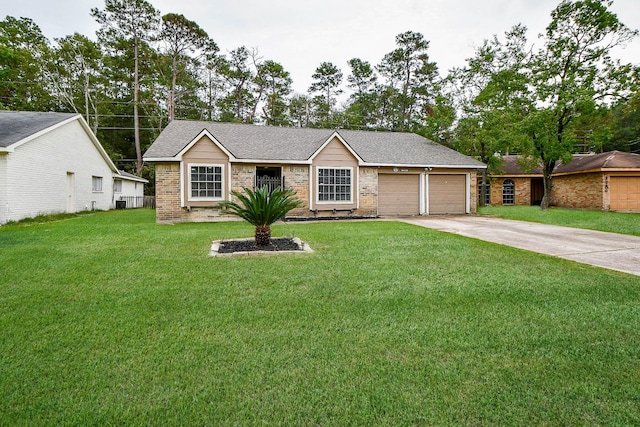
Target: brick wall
point(522, 195)
point(473, 191)
point(582, 191)
point(368, 192)
point(242, 176)
point(297, 178)
point(168, 193)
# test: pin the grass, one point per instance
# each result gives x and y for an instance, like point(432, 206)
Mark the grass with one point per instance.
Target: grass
point(111, 319)
point(614, 222)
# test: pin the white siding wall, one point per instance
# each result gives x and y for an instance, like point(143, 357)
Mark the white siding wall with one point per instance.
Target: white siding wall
point(37, 172)
point(4, 203)
point(130, 190)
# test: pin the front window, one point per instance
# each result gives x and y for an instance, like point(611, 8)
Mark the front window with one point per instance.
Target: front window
point(508, 192)
point(96, 184)
point(334, 184)
point(205, 182)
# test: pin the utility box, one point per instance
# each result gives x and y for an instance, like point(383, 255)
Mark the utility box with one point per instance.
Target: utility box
point(121, 204)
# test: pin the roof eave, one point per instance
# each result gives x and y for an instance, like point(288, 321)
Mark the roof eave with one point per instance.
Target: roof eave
point(426, 165)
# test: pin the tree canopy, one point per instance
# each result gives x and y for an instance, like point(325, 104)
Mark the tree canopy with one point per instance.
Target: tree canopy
point(544, 99)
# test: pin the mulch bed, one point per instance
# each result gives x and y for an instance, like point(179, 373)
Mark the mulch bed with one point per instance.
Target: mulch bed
point(277, 244)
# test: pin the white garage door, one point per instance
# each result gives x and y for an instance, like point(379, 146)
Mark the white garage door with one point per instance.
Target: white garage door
point(398, 194)
point(447, 194)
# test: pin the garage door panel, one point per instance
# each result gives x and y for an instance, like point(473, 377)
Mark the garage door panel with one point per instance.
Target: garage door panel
point(398, 195)
point(447, 194)
point(625, 193)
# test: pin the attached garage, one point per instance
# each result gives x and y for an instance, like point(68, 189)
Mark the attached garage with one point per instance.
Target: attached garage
point(625, 193)
point(398, 194)
point(447, 194)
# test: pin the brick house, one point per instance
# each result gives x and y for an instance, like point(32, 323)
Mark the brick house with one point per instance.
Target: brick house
point(605, 181)
point(337, 173)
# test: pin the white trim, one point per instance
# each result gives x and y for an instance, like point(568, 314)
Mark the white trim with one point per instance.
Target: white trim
point(357, 187)
point(129, 178)
point(309, 161)
point(190, 198)
point(468, 190)
point(229, 183)
point(434, 166)
point(426, 194)
point(353, 184)
point(423, 193)
point(311, 185)
point(181, 183)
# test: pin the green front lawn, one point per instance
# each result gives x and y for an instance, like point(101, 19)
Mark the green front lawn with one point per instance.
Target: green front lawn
point(110, 319)
point(614, 222)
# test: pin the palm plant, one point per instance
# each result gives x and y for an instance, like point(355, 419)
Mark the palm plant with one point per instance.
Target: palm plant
point(261, 208)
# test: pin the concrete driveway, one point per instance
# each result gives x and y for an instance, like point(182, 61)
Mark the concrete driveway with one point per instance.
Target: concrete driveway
point(608, 250)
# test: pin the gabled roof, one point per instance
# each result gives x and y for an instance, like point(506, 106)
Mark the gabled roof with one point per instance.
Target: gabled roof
point(513, 165)
point(20, 127)
point(285, 144)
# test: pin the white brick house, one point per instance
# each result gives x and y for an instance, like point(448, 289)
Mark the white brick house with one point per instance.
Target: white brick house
point(52, 163)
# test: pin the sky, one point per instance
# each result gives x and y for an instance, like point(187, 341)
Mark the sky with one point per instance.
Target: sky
point(301, 34)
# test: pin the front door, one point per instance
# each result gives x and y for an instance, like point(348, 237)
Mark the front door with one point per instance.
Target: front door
point(537, 191)
point(71, 192)
point(271, 176)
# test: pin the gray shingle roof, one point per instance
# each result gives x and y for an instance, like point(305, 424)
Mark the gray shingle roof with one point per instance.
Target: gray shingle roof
point(17, 125)
point(250, 142)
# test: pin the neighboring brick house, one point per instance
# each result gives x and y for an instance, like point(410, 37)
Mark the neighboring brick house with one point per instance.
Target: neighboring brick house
point(337, 173)
point(52, 163)
point(606, 181)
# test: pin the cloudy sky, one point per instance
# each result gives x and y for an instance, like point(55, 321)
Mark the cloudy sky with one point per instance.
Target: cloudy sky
point(300, 34)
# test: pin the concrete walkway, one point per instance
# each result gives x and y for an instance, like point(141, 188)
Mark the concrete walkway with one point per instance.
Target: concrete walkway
point(619, 252)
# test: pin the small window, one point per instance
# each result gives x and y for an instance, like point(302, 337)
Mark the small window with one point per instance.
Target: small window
point(117, 186)
point(205, 182)
point(508, 192)
point(334, 185)
point(96, 184)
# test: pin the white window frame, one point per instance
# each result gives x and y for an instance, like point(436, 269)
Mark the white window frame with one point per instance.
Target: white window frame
point(117, 186)
point(334, 202)
point(192, 198)
point(96, 184)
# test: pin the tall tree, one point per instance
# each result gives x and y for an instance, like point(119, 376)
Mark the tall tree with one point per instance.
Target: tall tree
point(572, 73)
point(238, 75)
point(74, 70)
point(411, 80)
point(492, 93)
point(276, 82)
point(299, 110)
point(363, 102)
point(127, 25)
point(326, 85)
point(23, 52)
point(185, 43)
